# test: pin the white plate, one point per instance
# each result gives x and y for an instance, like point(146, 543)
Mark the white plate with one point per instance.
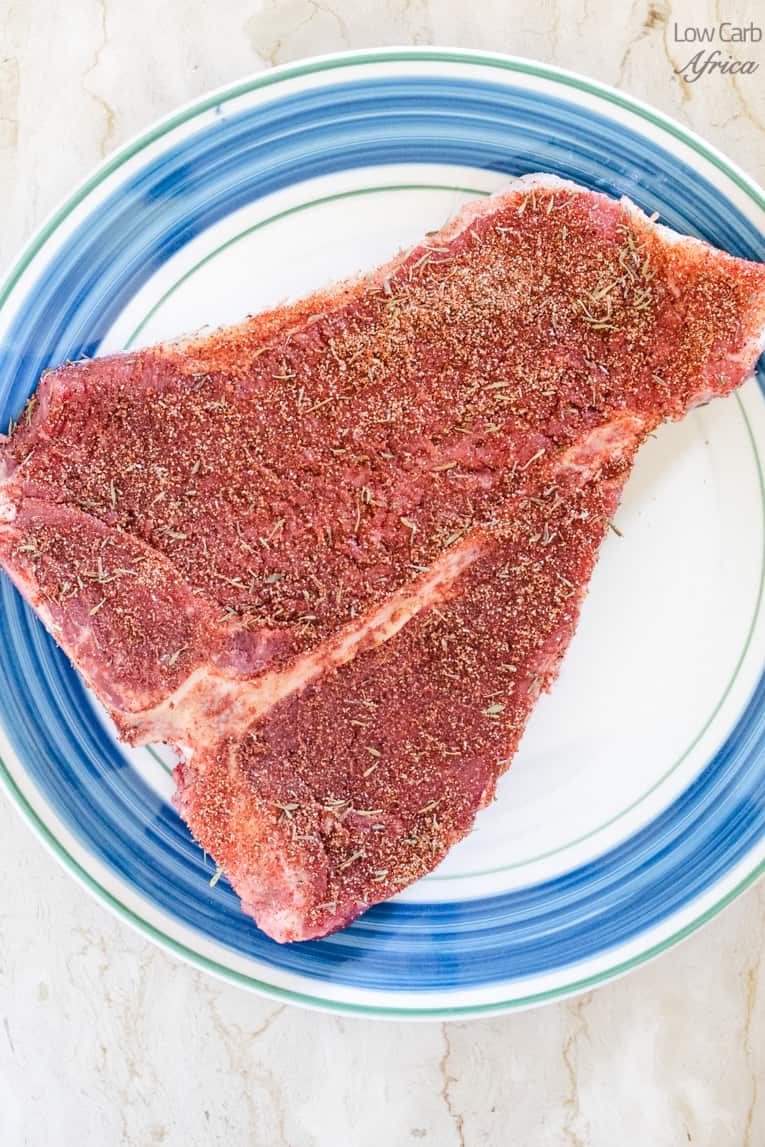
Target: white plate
point(634, 808)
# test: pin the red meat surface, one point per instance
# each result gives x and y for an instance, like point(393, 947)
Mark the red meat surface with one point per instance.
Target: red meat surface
point(335, 552)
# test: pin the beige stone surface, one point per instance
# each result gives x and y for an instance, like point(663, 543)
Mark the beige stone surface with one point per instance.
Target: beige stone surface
point(105, 1040)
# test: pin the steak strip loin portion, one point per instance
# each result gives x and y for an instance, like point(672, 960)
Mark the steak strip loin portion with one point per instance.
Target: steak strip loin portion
point(334, 552)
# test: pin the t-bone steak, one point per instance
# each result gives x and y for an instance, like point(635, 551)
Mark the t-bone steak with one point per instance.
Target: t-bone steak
point(334, 553)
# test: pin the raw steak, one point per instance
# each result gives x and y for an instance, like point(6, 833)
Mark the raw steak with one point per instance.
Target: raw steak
point(334, 553)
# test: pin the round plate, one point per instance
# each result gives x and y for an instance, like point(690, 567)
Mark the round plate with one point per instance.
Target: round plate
point(636, 806)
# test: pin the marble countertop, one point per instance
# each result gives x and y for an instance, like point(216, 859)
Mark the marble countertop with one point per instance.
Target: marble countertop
point(105, 1040)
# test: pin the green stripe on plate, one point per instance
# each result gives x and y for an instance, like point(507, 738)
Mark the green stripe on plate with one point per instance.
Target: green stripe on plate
point(279, 75)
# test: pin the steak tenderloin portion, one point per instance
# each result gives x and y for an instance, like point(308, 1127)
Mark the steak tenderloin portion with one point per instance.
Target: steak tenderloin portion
point(335, 552)
point(356, 785)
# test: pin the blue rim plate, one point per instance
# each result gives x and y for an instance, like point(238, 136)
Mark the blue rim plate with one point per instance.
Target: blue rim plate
point(636, 807)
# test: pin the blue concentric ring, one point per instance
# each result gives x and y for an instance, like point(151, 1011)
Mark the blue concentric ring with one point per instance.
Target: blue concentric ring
point(49, 716)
